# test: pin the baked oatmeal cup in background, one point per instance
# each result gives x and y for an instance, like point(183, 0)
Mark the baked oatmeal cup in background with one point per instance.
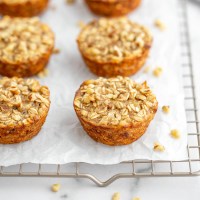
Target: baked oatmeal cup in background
point(22, 8)
point(24, 105)
point(26, 45)
point(111, 8)
point(114, 46)
point(115, 111)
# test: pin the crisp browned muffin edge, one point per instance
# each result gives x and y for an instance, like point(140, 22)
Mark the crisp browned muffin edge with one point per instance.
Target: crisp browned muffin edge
point(28, 9)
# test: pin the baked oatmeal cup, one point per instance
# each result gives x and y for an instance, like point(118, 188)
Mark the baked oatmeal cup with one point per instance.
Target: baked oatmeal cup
point(26, 45)
point(24, 105)
point(112, 8)
point(22, 8)
point(115, 46)
point(115, 111)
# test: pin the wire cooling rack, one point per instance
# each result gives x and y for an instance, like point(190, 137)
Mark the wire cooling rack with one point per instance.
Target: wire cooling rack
point(135, 168)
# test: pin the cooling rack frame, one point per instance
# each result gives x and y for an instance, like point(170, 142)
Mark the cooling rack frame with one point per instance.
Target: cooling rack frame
point(140, 168)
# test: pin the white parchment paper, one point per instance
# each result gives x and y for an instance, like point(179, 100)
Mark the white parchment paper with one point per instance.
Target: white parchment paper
point(62, 138)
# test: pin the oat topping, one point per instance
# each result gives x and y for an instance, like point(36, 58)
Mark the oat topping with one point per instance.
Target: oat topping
point(115, 101)
point(112, 40)
point(21, 101)
point(166, 109)
point(175, 133)
point(116, 196)
point(158, 147)
point(55, 187)
point(24, 39)
point(157, 71)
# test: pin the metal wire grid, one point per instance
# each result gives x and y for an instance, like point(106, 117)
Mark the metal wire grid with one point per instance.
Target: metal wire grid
point(135, 168)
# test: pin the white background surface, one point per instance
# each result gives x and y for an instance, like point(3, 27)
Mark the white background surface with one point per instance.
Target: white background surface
point(146, 188)
point(62, 138)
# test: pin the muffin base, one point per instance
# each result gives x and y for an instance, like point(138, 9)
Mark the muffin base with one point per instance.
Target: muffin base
point(111, 9)
point(21, 133)
point(28, 9)
point(110, 69)
point(116, 135)
point(25, 69)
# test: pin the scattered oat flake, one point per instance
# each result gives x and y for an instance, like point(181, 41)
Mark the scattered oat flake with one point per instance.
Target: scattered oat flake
point(158, 147)
point(52, 7)
point(157, 71)
point(55, 187)
point(147, 69)
point(81, 24)
point(116, 196)
point(166, 109)
point(56, 51)
point(136, 198)
point(70, 2)
point(43, 73)
point(175, 133)
point(159, 24)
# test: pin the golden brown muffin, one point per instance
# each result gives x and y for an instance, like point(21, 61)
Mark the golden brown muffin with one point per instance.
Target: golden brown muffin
point(112, 47)
point(24, 105)
point(26, 45)
point(115, 111)
point(22, 8)
point(111, 8)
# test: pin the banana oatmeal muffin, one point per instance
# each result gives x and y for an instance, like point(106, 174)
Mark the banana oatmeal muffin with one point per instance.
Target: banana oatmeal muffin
point(24, 105)
point(112, 7)
point(22, 8)
point(112, 47)
point(115, 111)
point(26, 45)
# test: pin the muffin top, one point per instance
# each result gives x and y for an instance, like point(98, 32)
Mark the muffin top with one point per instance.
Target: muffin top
point(24, 39)
point(114, 101)
point(113, 40)
point(22, 101)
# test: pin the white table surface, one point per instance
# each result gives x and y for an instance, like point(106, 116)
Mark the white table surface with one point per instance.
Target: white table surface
point(187, 188)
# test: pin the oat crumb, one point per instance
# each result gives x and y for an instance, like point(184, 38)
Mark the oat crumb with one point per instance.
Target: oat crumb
point(81, 24)
point(147, 69)
point(56, 51)
point(116, 196)
point(43, 73)
point(175, 133)
point(52, 7)
point(70, 2)
point(159, 24)
point(166, 109)
point(136, 198)
point(158, 147)
point(157, 71)
point(55, 187)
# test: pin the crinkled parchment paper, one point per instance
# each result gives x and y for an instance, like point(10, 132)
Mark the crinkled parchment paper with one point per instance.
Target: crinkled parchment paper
point(62, 138)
